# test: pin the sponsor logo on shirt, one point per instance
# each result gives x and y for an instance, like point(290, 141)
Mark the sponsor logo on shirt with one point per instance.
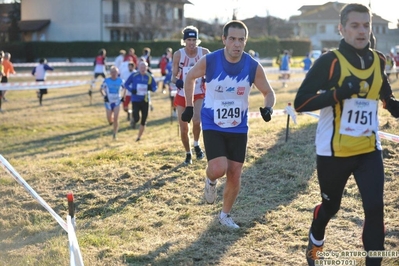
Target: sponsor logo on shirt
point(240, 90)
point(231, 89)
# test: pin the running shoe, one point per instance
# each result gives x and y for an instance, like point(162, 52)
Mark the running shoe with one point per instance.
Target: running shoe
point(228, 222)
point(199, 153)
point(133, 124)
point(210, 192)
point(312, 252)
point(188, 159)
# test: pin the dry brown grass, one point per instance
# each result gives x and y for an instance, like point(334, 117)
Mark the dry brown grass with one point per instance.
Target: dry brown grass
point(137, 205)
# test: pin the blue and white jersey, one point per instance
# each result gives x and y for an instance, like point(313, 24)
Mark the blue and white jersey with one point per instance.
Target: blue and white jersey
point(225, 107)
point(139, 85)
point(40, 71)
point(113, 89)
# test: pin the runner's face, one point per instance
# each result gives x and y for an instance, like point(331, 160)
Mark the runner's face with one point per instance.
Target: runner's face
point(191, 43)
point(114, 73)
point(234, 44)
point(357, 30)
point(142, 68)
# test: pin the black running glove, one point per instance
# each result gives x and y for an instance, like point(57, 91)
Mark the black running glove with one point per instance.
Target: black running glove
point(350, 86)
point(187, 114)
point(106, 99)
point(179, 83)
point(266, 113)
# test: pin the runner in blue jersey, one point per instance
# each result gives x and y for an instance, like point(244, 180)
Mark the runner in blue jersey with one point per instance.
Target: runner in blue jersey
point(230, 74)
point(113, 91)
point(139, 84)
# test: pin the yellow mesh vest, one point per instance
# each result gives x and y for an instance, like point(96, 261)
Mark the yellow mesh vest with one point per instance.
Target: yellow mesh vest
point(371, 82)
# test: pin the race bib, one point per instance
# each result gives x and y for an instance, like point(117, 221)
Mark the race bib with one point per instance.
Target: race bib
point(142, 89)
point(112, 97)
point(227, 113)
point(359, 117)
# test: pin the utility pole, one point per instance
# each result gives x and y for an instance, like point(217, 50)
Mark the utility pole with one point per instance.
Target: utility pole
point(373, 40)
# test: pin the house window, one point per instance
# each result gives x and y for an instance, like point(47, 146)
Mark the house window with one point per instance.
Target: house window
point(115, 35)
point(175, 13)
point(322, 29)
point(178, 13)
point(115, 11)
point(127, 35)
point(384, 30)
point(161, 10)
point(377, 30)
point(147, 10)
point(132, 6)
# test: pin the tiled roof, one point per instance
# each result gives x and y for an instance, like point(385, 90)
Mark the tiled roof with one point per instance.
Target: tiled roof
point(327, 11)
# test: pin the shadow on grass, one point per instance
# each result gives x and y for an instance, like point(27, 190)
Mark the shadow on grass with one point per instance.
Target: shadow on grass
point(266, 186)
point(59, 142)
point(121, 201)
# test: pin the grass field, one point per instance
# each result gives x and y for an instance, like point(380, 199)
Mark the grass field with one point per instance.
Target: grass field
point(136, 204)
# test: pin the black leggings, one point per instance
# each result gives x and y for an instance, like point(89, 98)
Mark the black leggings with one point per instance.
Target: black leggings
point(143, 107)
point(368, 170)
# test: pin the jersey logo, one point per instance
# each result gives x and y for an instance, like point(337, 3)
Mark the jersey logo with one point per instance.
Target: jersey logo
point(240, 90)
point(219, 89)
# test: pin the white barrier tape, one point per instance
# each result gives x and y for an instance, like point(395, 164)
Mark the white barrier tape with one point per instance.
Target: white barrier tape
point(49, 84)
point(63, 74)
point(383, 135)
point(74, 250)
point(288, 110)
point(8, 167)
point(275, 112)
point(57, 74)
point(291, 112)
point(68, 64)
point(311, 114)
point(388, 136)
point(285, 80)
point(42, 84)
point(57, 64)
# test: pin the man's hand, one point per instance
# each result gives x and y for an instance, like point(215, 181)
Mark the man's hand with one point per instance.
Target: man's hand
point(266, 113)
point(179, 83)
point(187, 114)
point(350, 86)
point(106, 99)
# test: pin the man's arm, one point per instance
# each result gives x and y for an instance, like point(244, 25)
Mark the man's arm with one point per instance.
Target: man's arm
point(198, 70)
point(263, 85)
point(175, 66)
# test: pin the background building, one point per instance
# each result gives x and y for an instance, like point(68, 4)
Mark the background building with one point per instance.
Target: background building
point(319, 23)
point(100, 20)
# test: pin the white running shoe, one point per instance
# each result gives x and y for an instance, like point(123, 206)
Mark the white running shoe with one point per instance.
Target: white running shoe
point(210, 192)
point(228, 221)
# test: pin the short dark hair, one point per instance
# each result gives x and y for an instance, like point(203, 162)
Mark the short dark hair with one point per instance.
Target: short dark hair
point(346, 9)
point(235, 24)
